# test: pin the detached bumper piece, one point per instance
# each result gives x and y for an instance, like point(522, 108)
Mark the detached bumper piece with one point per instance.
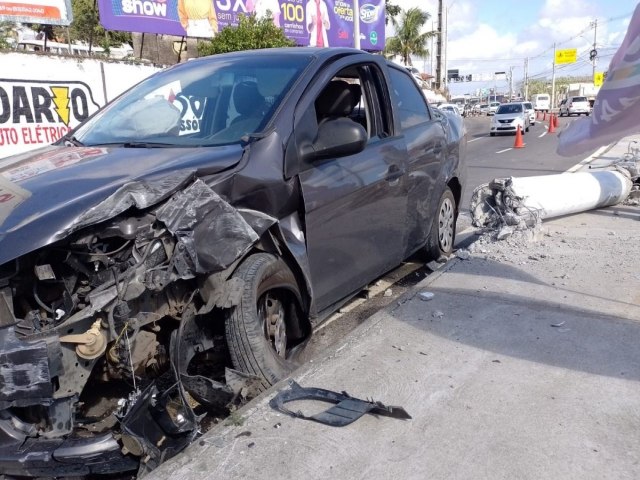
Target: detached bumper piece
point(57, 457)
point(346, 409)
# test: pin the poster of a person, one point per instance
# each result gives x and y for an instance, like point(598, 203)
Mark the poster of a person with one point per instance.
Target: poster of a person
point(198, 18)
point(265, 8)
point(317, 19)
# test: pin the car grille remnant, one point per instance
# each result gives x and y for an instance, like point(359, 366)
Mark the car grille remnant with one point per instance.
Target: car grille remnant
point(346, 409)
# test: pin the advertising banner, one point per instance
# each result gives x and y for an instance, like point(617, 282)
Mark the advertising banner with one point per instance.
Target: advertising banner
point(326, 23)
point(51, 12)
point(36, 113)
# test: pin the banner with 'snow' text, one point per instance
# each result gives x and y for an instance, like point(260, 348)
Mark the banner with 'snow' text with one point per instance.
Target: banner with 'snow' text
point(324, 23)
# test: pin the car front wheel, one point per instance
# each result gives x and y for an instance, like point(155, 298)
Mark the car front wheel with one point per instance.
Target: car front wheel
point(263, 328)
point(443, 230)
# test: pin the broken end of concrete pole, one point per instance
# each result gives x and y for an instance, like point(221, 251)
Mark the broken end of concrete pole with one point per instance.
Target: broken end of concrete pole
point(523, 202)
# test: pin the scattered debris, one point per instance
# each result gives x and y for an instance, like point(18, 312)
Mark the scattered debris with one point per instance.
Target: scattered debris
point(558, 324)
point(496, 361)
point(504, 232)
point(463, 254)
point(388, 292)
point(437, 314)
point(346, 409)
point(426, 296)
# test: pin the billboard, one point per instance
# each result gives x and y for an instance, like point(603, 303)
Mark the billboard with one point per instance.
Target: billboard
point(50, 12)
point(327, 23)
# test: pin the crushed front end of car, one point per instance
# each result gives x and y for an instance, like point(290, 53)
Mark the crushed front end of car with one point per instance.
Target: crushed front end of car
point(107, 342)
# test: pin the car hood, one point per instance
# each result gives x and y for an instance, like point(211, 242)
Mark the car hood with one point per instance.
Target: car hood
point(48, 193)
point(507, 116)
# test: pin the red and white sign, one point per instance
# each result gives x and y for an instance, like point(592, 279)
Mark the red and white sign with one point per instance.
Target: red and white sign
point(52, 12)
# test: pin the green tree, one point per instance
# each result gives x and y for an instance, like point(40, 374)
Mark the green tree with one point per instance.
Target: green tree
point(543, 85)
point(251, 33)
point(391, 11)
point(6, 30)
point(408, 39)
point(86, 26)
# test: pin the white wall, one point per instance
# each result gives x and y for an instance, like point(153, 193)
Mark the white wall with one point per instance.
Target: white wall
point(42, 97)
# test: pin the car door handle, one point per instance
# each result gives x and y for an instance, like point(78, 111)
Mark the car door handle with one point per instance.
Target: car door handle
point(393, 174)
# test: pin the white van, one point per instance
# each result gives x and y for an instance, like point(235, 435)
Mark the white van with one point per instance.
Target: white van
point(541, 102)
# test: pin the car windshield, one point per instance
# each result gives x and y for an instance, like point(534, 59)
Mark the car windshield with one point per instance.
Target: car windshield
point(510, 108)
point(213, 102)
point(579, 99)
point(528, 106)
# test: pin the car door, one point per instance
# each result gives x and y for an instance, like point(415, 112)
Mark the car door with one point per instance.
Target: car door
point(425, 139)
point(355, 206)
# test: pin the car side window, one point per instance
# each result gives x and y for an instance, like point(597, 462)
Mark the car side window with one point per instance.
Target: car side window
point(411, 104)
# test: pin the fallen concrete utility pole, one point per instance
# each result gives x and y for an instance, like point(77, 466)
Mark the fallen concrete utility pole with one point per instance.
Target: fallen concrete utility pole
point(524, 202)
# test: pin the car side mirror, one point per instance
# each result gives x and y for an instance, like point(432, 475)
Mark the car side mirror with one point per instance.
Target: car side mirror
point(339, 137)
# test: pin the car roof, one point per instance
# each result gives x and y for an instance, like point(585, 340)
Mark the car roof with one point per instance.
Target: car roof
point(320, 53)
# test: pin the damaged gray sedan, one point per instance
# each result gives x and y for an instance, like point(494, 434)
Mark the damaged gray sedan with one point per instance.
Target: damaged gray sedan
point(174, 253)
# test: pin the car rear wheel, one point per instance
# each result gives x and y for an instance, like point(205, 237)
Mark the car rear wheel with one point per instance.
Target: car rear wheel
point(443, 230)
point(492, 134)
point(263, 328)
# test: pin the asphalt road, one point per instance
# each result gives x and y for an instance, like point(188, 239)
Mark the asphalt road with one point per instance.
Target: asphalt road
point(492, 157)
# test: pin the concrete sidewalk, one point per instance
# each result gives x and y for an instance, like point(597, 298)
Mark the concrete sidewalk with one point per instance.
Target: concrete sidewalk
point(525, 364)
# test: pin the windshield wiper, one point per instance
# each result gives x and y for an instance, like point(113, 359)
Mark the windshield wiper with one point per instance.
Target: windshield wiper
point(71, 141)
point(138, 145)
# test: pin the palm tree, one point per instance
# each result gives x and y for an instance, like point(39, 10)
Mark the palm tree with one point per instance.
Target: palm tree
point(408, 39)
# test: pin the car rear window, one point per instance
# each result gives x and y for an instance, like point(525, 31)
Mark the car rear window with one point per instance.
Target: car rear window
point(579, 99)
point(528, 105)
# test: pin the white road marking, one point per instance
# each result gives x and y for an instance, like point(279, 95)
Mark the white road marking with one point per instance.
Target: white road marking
point(543, 134)
point(588, 160)
point(505, 150)
point(469, 141)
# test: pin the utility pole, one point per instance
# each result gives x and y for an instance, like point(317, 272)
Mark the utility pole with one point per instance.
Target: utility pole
point(553, 80)
point(510, 83)
point(439, 48)
point(594, 52)
point(526, 78)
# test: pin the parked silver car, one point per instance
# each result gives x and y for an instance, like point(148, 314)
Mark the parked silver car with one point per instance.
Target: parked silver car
point(530, 111)
point(575, 106)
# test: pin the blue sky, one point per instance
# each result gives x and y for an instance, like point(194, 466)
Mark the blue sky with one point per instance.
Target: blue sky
point(487, 36)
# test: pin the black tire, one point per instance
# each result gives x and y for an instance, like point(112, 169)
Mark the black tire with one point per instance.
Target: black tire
point(492, 134)
point(254, 347)
point(443, 229)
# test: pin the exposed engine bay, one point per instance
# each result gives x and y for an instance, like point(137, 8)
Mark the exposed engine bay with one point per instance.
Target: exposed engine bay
point(99, 334)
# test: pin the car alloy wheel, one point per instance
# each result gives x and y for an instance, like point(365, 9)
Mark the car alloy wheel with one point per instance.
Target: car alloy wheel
point(271, 312)
point(446, 225)
point(443, 228)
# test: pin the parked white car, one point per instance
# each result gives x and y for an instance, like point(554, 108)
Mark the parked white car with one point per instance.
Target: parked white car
point(508, 118)
point(575, 106)
point(530, 111)
point(449, 107)
point(493, 107)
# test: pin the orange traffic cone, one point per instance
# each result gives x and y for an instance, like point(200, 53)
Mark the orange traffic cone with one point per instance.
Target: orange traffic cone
point(518, 143)
point(552, 124)
point(544, 116)
point(555, 121)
